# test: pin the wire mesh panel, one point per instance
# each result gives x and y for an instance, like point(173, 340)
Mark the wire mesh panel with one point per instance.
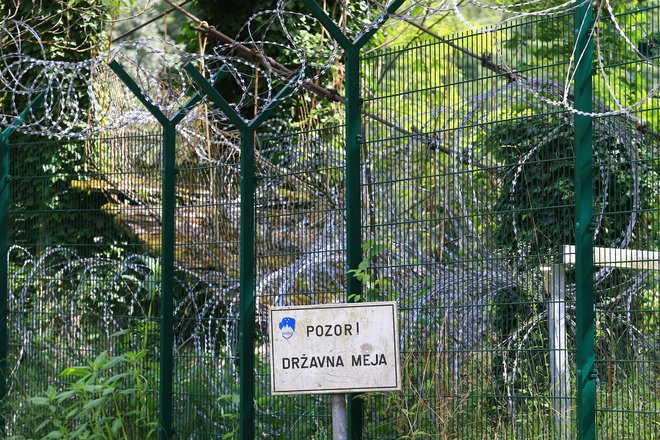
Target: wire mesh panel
point(300, 251)
point(206, 297)
point(626, 257)
point(84, 287)
point(467, 191)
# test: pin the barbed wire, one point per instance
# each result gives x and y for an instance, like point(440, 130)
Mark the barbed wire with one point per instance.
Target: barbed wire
point(83, 98)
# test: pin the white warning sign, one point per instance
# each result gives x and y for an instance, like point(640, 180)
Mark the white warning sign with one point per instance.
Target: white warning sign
point(334, 348)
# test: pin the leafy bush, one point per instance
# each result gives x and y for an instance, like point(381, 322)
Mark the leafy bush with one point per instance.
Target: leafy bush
point(109, 398)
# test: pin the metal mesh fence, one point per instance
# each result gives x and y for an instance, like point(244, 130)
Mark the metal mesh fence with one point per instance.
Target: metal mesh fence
point(206, 297)
point(85, 277)
point(468, 204)
point(83, 286)
point(626, 283)
point(468, 193)
point(466, 200)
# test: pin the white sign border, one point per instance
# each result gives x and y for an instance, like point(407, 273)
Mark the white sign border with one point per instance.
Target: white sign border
point(397, 351)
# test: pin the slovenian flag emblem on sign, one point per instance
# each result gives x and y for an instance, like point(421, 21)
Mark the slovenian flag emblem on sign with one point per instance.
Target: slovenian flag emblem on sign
point(287, 327)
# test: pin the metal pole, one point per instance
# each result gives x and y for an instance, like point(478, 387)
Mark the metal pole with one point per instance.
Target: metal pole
point(584, 170)
point(246, 295)
point(353, 175)
point(168, 237)
point(555, 285)
point(353, 204)
point(4, 269)
point(339, 422)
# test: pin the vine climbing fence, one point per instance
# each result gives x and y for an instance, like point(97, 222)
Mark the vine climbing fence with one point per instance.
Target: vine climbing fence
point(508, 200)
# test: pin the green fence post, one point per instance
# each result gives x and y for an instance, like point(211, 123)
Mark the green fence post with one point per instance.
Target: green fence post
point(168, 239)
point(246, 331)
point(584, 272)
point(353, 196)
point(247, 237)
point(353, 162)
point(168, 243)
point(5, 179)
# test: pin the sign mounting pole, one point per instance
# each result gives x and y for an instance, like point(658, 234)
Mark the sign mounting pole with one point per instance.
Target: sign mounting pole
point(339, 419)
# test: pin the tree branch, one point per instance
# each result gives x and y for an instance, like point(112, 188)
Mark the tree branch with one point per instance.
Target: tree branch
point(148, 22)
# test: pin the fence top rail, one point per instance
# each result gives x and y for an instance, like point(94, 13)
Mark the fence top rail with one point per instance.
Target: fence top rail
point(617, 258)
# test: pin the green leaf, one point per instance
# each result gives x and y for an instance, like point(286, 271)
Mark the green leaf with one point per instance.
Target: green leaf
point(128, 391)
point(65, 395)
point(111, 362)
point(78, 371)
point(42, 425)
point(39, 401)
point(229, 435)
point(115, 378)
point(94, 404)
point(100, 359)
point(73, 412)
point(108, 391)
point(117, 425)
point(354, 297)
point(121, 333)
point(81, 432)
point(92, 388)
